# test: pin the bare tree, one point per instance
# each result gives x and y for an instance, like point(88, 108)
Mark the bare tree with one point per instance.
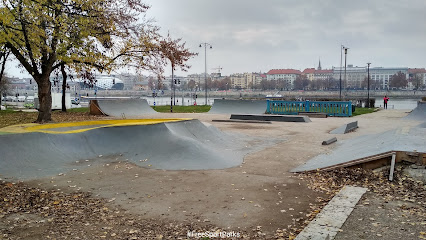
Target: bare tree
point(398, 80)
point(416, 80)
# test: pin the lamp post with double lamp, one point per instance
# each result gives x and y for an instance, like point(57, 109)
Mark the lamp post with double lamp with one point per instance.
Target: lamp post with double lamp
point(205, 65)
point(368, 85)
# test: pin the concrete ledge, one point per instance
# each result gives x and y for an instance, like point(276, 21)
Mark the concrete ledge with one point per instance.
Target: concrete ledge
point(329, 141)
point(327, 223)
point(240, 121)
point(345, 128)
point(313, 114)
point(270, 117)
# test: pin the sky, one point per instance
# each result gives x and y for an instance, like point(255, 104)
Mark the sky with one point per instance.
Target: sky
point(256, 36)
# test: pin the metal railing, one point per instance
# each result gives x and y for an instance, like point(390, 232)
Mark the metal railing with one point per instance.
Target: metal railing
point(340, 109)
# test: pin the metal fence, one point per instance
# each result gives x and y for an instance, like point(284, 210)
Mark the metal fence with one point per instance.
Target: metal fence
point(341, 109)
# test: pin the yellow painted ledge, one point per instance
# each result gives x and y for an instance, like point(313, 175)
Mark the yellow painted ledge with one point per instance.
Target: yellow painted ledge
point(50, 127)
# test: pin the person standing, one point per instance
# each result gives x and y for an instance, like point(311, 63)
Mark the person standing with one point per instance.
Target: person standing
point(385, 102)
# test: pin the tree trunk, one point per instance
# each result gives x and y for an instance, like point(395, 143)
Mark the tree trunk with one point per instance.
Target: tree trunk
point(64, 87)
point(45, 100)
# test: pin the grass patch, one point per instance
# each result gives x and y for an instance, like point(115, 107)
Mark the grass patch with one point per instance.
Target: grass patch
point(183, 109)
point(360, 111)
point(7, 111)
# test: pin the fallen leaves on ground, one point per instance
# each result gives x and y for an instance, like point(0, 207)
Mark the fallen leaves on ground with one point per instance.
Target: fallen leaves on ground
point(14, 118)
point(402, 188)
point(33, 213)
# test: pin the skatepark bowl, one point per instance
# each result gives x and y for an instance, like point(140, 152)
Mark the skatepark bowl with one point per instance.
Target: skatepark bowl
point(32, 151)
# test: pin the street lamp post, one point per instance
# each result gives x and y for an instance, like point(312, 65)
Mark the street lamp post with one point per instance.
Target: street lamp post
point(196, 86)
point(346, 54)
point(174, 92)
point(340, 73)
point(171, 90)
point(368, 85)
point(205, 65)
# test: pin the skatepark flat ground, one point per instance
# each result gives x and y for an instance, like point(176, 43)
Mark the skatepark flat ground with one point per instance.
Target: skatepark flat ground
point(259, 192)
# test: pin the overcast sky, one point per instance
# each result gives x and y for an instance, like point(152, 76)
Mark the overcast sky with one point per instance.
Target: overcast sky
point(253, 36)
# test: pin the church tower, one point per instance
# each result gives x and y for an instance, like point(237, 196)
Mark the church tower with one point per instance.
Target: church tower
point(319, 64)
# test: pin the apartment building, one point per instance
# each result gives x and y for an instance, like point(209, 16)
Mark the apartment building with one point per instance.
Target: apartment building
point(317, 74)
point(288, 75)
point(309, 73)
point(238, 80)
point(323, 74)
point(245, 80)
point(353, 78)
point(384, 75)
point(416, 72)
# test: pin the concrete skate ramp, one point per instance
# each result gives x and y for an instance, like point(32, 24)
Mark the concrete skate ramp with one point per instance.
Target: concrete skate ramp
point(349, 127)
point(122, 108)
point(401, 139)
point(189, 145)
point(418, 113)
point(225, 106)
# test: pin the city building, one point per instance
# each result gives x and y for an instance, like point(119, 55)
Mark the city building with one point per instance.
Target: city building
point(317, 74)
point(245, 80)
point(419, 73)
point(323, 74)
point(288, 75)
point(239, 81)
point(309, 73)
point(380, 77)
point(353, 78)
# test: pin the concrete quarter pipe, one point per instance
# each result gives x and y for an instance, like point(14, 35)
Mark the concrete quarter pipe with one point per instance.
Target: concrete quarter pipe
point(401, 139)
point(225, 106)
point(419, 113)
point(121, 108)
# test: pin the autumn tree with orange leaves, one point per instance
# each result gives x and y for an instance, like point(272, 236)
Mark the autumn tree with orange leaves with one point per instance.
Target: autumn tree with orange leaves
point(84, 35)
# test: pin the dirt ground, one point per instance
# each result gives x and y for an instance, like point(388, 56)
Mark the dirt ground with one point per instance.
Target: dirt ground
point(259, 196)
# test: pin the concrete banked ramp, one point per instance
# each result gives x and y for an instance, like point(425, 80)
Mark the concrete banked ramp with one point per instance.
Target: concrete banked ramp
point(401, 139)
point(189, 145)
point(122, 108)
point(225, 106)
point(419, 113)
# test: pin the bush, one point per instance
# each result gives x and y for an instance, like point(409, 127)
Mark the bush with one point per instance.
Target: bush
point(372, 102)
point(29, 105)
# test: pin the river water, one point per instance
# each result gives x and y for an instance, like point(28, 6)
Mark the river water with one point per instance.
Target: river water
point(398, 103)
point(186, 101)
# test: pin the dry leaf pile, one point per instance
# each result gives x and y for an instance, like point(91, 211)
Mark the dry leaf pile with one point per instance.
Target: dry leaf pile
point(401, 188)
point(57, 116)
